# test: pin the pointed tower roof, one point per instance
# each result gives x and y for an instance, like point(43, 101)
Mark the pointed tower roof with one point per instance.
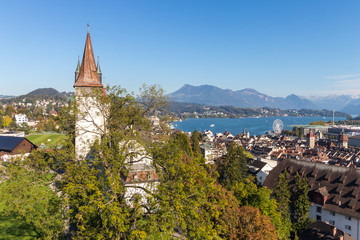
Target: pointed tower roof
point(78, 66)
point(344, 138)
point(88, 76)
point(98, 70)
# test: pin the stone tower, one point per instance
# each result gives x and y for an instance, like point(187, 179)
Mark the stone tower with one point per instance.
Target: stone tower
point(89, 125)
point(343, 141)
point(311, 139)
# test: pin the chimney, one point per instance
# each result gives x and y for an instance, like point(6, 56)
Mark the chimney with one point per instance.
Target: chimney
point(341, 237)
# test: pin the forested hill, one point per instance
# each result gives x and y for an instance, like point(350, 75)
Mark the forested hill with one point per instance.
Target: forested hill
point(40, 94)
point(191, 110)
point(50, 92)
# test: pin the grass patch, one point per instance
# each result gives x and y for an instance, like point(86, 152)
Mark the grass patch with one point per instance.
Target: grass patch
point(55, 139)
point(13, 228)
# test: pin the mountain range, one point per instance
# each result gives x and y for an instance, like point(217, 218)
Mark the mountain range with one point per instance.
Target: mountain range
point(248, 97)
point(245, 98)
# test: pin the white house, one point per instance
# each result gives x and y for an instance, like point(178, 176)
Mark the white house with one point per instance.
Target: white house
point(21, 118)
point(259, 169)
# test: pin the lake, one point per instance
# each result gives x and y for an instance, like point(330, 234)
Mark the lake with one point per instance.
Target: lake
point(257, 126)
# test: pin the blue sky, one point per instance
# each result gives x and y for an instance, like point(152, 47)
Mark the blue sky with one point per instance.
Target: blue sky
point(278, 47)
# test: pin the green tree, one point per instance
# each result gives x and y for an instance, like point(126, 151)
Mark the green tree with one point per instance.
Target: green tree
point(299, 204)
point(49, 125)
point(66, 120)
point(301, 132)
point(27, 194)
point(183, 142)
point(195, 139)
point(232, 168)
point(9, 110)
point(189, 200)
point(296, 131)
point(282, 195)
point(249, 194)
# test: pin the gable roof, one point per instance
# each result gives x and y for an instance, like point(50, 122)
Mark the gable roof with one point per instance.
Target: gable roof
point(320, 230)
point(8, 143)
point(340, 185)
point(258, 164)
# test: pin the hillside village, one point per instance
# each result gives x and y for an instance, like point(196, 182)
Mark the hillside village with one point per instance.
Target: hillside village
point(36, 111)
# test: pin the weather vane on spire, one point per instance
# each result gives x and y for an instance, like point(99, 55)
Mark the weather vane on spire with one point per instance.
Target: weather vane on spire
point(88, 27)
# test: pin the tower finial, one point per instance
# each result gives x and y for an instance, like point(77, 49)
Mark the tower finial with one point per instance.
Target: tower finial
point(88, 28)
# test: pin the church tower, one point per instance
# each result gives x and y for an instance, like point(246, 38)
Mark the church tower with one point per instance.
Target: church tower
point(343, 141)
point(89, 125)
point(311, 139)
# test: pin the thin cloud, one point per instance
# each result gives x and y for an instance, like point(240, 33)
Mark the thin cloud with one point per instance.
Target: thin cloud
point(339, 87)
point(343, 76)
point(348, 84)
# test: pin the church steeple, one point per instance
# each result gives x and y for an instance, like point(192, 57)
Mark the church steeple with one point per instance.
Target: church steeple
point(88, 76)
point(98, 71)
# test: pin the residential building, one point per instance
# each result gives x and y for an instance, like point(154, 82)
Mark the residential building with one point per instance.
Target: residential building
point(21, 118)
point(12, 147)
point(321, 230)
point(259, 169)
point(334, 192)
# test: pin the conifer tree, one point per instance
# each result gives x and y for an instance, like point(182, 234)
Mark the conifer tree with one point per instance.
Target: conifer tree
point(232, 168)
point(299, 204)
point(184, 143)
point(195, 139)
point(282, 194)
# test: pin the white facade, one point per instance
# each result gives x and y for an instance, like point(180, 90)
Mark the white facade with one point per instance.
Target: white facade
point(211, 153)
point(142, 175)
point(260, 173)
point(90, 122)
point(349, 225)
point(21, 118)
point(263, 173)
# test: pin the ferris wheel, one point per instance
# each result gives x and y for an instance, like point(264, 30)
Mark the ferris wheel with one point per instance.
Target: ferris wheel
point(277, 126)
